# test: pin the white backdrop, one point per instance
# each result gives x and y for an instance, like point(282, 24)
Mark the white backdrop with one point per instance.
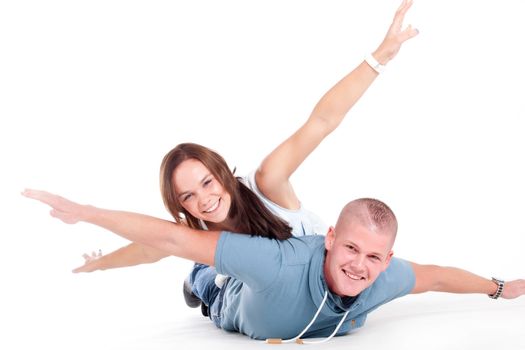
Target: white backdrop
point(93, 94)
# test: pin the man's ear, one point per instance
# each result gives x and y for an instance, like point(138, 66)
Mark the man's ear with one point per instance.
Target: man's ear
point(388, 259)
point(330, 237)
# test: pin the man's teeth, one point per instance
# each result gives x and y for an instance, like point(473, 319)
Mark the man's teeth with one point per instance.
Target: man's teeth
point(354, 277)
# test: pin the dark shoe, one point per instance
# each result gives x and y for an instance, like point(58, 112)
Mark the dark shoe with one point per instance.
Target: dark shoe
point(204, 310)
point(191, 299)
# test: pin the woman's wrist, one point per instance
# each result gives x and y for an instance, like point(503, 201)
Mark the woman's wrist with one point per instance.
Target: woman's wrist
point(381, 56)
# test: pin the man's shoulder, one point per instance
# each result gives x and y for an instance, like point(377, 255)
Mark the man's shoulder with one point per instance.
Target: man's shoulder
point(302, 242)
point(312, 241)
point(293, 244)
point(300, 250)
point(396, 269)
point(397, 280)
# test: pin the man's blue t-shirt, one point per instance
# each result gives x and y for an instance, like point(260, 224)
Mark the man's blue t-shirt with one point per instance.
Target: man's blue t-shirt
point(277, 287)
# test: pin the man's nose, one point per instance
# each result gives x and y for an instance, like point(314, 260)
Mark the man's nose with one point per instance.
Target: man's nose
point(359, 261)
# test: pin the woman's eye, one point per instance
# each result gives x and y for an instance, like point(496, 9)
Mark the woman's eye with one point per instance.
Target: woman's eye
point(186, 197)
point(207, 182)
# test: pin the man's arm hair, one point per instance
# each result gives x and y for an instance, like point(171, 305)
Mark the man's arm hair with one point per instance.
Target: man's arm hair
point(433, 278)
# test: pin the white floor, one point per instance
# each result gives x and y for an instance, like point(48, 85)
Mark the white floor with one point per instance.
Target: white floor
point(143, 308)
point(95, 93)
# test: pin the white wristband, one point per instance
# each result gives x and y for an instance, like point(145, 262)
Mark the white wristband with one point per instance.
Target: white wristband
point(372, 62)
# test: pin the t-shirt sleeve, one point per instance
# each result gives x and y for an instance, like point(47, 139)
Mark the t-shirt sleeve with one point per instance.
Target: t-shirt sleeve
point(401, 274)
point(396, 281)
point(253, 260)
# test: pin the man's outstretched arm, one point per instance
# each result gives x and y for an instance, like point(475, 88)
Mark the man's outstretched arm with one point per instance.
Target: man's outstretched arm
point(433, 278)
point(175, 239)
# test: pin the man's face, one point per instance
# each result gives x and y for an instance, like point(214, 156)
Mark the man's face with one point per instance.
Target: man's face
point(355, 257)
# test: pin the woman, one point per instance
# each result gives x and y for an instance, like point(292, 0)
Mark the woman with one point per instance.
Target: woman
point(199, 189)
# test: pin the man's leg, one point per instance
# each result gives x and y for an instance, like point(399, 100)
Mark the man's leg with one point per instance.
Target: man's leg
point(201, 286)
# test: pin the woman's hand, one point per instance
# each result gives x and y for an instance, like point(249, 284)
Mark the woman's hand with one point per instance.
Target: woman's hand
point(90, 262)
point(395, 36)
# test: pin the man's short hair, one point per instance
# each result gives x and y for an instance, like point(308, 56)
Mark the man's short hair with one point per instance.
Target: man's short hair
point(371, 212)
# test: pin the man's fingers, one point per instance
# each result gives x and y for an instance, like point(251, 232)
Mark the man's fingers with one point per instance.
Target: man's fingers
point(42, 196)
point(55, 213)
point(35, 194)
point(30, 193)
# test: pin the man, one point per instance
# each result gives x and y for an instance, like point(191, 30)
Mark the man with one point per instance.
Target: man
point(312, 286)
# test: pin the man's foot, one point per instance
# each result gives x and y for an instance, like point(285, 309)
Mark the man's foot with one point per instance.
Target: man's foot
point(191, 299)
point(204, 310)
point(220, 280)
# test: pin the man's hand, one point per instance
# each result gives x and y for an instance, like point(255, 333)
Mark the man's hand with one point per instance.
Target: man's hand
point(513, 289)
point(63, 209)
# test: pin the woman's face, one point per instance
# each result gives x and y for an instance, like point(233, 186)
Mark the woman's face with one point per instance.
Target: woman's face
point(200, 193)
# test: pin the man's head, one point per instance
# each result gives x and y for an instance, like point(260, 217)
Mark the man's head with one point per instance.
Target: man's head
point(360, 246)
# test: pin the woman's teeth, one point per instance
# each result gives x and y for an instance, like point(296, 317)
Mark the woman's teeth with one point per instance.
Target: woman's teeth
point(212, 208)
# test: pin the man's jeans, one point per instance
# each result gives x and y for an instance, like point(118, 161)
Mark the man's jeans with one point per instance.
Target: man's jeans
point(202, 281)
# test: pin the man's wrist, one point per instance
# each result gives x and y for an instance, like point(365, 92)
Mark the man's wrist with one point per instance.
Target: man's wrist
point(87, 213)
point(500, 285)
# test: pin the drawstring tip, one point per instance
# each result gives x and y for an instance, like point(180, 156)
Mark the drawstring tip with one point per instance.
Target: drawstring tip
point(299, 341)
point(274, 341)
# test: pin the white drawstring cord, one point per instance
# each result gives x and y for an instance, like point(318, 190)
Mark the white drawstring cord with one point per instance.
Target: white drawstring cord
point(311, 322)
point(298, 339)
point(331, 335)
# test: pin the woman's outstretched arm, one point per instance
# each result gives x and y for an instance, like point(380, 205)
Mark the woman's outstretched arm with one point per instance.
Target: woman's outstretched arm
point(132, 254)
point(273, 175)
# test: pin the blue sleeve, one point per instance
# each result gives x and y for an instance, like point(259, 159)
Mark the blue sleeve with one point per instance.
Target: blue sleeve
point(253, 260)
point(401, 277)
point(396, 281)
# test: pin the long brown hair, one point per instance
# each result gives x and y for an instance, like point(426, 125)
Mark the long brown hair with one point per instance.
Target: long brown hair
point(247, 212)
